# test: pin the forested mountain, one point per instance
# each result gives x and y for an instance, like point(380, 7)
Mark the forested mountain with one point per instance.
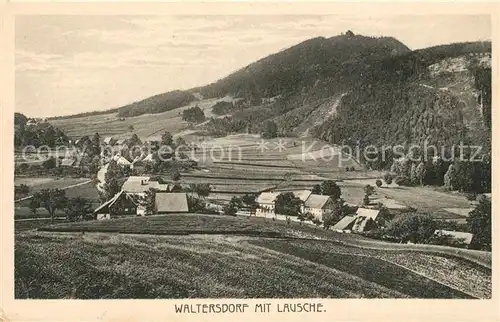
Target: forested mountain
point(337, 62)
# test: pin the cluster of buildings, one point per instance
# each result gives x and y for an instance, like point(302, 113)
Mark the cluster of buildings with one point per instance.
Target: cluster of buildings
point(318, 205)
point(131, 200)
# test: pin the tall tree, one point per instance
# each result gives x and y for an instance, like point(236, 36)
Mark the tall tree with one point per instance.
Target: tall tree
point(167, 139)
point(270, 130)
point(95, 145)
point(149, 202)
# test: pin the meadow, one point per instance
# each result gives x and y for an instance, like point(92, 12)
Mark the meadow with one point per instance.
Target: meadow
point(120, 266)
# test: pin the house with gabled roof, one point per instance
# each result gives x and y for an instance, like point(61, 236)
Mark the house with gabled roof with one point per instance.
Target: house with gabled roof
point(265, 203)
point(171, 202)
point(120, 205)
point(318, 205)
point(141, 184)
point(364, 220)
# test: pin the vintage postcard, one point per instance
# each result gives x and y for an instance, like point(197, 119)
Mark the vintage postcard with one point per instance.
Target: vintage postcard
point(249, 161)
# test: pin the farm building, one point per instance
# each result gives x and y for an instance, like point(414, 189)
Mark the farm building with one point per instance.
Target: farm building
point(265, 203)
point(139, 185)
point(364, 220)
point(318, 205)
point(345, 224)
point(171, 202)
point(120, 205)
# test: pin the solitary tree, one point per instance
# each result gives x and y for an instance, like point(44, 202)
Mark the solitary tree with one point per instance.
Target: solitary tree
point(236, 202)
point(388, 178)
point(378, 183)
point(167, 139)
point(369, 190)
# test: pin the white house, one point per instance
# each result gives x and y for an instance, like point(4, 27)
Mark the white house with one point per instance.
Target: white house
point(318, 205)
point(265, 203)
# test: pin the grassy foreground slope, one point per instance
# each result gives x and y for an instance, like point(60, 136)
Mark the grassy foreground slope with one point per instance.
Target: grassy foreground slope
point(235, 260)
point(129, 266)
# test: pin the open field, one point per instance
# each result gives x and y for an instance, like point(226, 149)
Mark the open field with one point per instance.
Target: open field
point(145, 125)
point(96, 265)
point(182, 224)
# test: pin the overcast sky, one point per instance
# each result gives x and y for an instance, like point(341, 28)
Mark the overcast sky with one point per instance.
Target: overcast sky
point(73, 64)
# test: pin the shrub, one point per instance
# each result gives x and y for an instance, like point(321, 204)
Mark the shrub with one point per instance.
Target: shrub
point(402, 181)
point(388, 178)
point(229, 210)
point(317, 222)
point(415, 228)
point(378, 183)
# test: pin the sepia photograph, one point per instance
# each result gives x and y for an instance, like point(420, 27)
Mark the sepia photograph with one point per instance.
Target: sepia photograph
point(263, 156)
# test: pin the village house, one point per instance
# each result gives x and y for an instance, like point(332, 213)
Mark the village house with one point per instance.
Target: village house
point(120, 205)
point(141, 184)
point(265, 203)
point(318, 205)
point(364, 220)
point(171, 202)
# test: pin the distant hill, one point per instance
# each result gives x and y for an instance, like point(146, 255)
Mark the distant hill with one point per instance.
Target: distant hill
point(152, 105)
